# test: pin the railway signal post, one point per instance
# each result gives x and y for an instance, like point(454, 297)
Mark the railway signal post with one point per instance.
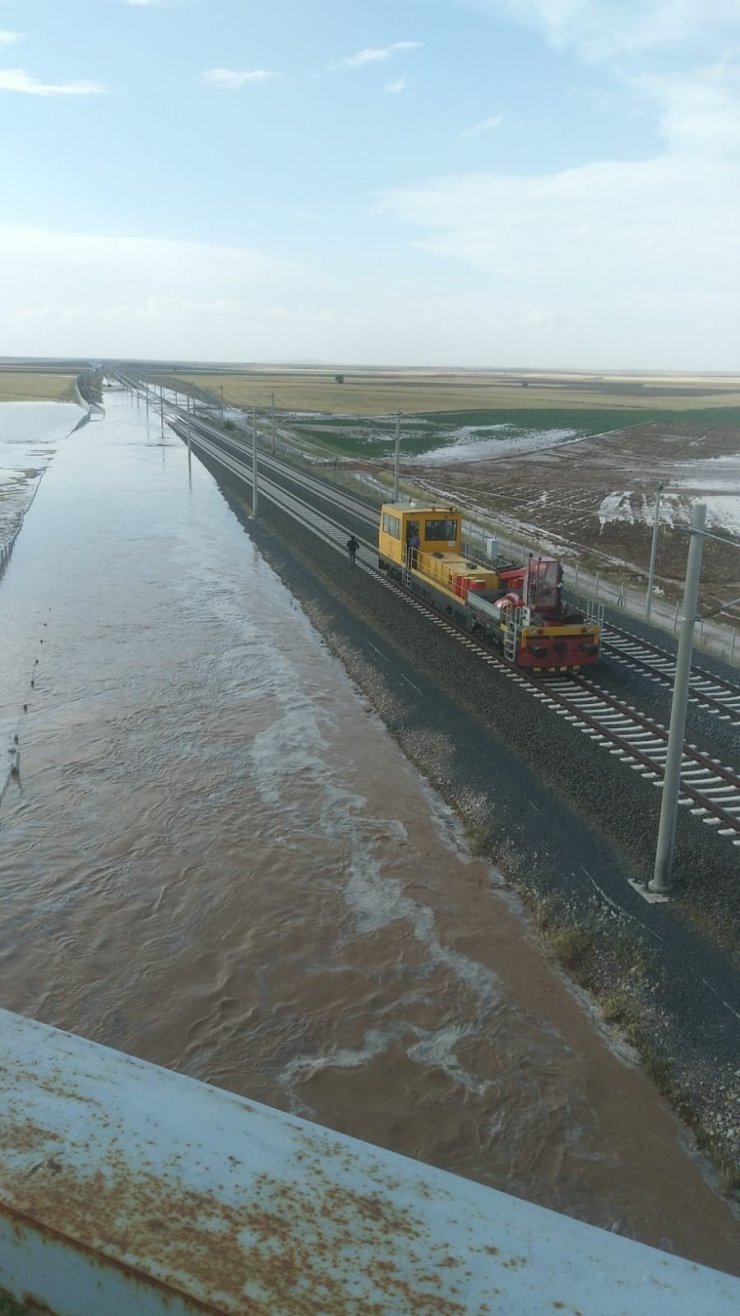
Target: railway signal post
point(653, 554)
point(661, 880)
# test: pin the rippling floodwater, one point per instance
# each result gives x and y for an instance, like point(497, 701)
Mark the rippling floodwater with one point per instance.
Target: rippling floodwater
point(218, 860)
point(29, 433)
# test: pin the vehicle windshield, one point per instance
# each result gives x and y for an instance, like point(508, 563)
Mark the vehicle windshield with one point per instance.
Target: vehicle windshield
point(442, 529)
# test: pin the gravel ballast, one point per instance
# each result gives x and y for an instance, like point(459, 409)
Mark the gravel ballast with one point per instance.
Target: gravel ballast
point(565, 823)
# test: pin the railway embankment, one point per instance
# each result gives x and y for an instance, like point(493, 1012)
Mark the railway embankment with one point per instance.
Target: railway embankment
point(565, 825)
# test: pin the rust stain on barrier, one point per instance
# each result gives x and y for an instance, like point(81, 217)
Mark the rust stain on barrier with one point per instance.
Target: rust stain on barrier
point(222, 1206)
point(298, 1244)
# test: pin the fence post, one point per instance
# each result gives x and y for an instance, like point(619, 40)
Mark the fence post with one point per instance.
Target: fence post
point(575, 578)
point(596, 586)
point(732, 645)
point(675, 618)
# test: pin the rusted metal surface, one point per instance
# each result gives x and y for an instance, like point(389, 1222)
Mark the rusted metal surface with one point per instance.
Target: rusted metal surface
point(125, 1188)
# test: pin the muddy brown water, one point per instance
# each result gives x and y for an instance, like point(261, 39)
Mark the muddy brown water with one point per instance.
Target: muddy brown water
point(217, 859)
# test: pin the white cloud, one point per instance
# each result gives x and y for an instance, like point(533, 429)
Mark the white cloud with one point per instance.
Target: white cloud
point(484, 126)
point(395, 86)
point(20, 81)
point(373, 55)
point(699, 111)
point(297, 314)
point(235, 79)
point(9, 38)
point(163, 4)
point(598, 29)
point(159, 260)
point(108, 294)
point(157, 310)
point(629, 256)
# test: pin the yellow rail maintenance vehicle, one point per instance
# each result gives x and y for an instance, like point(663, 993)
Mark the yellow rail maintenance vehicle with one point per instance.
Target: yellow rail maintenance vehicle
point(518, 608)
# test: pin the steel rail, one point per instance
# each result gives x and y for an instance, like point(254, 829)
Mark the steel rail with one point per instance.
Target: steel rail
point(719, 697)
point(709, 789)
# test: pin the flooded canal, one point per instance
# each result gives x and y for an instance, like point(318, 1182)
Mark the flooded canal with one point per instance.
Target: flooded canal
point(218, 860)
point(29, 435)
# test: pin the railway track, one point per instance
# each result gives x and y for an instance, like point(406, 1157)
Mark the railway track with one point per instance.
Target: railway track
point(710, 790)
point(718, 697)
point(714, 695)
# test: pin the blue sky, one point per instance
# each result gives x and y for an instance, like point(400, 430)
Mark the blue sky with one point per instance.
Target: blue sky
point(423, 182)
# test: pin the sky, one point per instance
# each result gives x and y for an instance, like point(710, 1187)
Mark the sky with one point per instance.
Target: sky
point(483, 183)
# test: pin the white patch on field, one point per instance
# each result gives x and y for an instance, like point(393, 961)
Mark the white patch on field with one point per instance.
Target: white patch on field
point(723, 510)
point(616, 507)
point(714, 481)
point(726, 459)
point(465, 443)
point(636, 507)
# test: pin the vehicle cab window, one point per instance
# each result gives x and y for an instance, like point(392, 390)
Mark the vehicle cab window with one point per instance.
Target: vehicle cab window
point(443, 529)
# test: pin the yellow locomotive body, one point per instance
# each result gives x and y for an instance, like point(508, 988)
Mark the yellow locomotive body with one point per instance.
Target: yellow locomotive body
point(520, 608)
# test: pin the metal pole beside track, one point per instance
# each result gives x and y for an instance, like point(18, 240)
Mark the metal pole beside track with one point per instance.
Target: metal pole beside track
point(396, 466)
point(653, 554)
point(254, 461)
point(661, 881)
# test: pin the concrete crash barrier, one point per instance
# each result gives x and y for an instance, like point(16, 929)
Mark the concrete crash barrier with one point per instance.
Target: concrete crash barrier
point(127, 1188)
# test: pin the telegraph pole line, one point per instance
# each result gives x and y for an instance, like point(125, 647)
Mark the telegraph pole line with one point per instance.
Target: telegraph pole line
point(653, 554)
point(161, 408)
point(254, 461)
point(661, 881)
point(187, 403)
point(273, 424)
point(397, 462)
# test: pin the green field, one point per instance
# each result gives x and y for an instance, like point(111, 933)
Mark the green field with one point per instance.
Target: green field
point(375, 437)
point(33, 386)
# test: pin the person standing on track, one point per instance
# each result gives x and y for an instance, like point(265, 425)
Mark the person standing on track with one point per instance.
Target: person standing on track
point(352, 547)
